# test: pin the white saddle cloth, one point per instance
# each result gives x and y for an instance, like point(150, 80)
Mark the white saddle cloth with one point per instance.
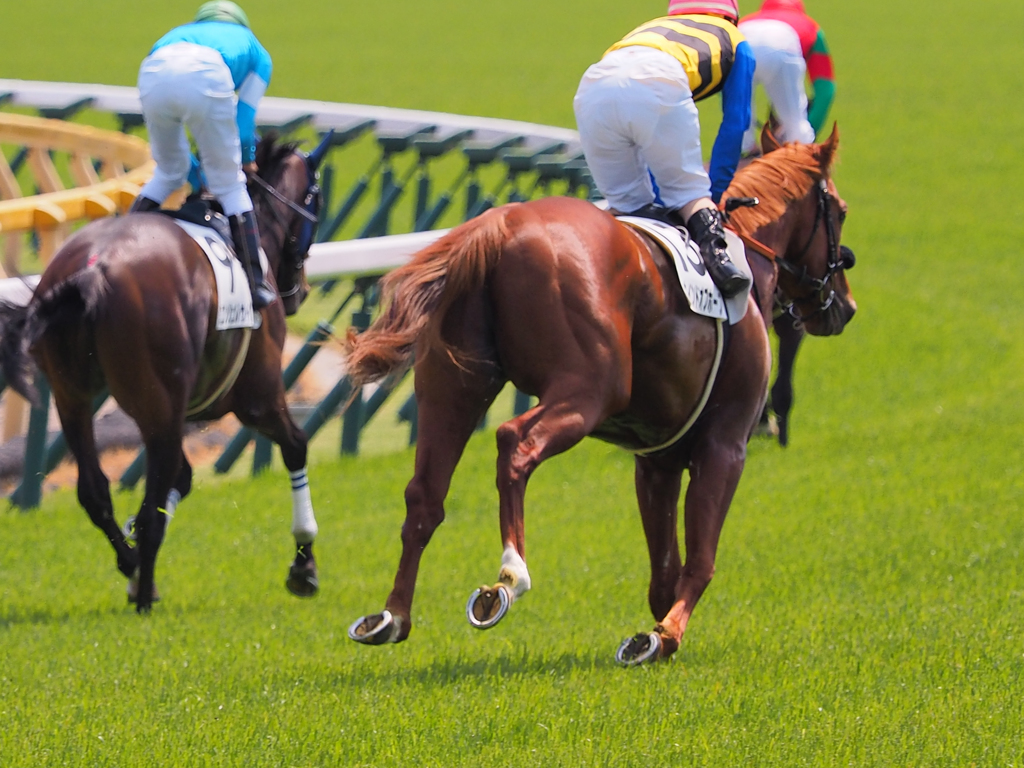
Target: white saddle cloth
point(701, 293)
point(234, 301)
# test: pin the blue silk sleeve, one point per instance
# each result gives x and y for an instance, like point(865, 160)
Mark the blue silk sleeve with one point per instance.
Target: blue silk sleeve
point(736, 94)
point(246, 119)
point(250, 91)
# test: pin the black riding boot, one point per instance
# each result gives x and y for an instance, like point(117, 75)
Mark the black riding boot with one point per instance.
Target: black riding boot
point(247, 245)
point(705, 227)
point(143, 204)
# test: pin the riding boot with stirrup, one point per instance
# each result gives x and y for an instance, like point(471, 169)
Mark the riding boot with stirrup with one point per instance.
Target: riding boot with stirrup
point(706, 228)
point(247, 245)
point(142, 204)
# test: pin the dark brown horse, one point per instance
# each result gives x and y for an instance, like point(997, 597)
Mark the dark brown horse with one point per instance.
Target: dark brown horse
point(577, 309)
point(129, 305)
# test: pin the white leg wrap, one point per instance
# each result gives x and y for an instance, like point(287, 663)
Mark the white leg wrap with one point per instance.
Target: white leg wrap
point(172, 504)
point(304, 527)
point(514, 572)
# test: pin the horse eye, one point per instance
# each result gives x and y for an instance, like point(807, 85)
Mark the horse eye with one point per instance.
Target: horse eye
point(842, 215)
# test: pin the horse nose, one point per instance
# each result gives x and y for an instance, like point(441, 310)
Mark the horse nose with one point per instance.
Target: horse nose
point(846, 258)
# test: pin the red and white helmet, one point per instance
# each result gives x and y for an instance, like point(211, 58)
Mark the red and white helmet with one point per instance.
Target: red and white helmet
point(729, 9)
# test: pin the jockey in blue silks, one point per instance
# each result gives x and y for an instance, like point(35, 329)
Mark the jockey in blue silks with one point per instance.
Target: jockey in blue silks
point(210, 76)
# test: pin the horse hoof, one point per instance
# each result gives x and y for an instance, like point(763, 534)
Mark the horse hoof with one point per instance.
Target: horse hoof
point(378, 629)
point(133, 592)
point(302, 582)
point(488, 605)
point(128, 529)
point(640, 649)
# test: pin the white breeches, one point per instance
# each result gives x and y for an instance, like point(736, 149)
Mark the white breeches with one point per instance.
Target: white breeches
point(634, 111)
point(781, 70)
point(190, 85)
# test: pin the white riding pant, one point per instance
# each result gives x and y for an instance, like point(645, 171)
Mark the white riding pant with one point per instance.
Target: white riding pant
point(781, 70)
point(634, 111)
point(184, 84)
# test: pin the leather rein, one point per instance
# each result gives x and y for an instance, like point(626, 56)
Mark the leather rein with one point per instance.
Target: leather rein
point(295, 246)
point(839, 258)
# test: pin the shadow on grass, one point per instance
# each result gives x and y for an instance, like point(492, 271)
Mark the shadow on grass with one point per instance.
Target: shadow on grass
point(514, 665)
point(41, 616)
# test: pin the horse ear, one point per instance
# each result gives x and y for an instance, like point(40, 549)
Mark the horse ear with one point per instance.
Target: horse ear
point(768, 141)
point(827, 149)
point(314, 158)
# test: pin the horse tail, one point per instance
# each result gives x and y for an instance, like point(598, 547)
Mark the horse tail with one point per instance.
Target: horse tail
point(419, 294)
point(70, 302)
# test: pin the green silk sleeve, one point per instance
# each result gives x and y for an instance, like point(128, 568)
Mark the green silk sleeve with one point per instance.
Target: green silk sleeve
point(817, 112)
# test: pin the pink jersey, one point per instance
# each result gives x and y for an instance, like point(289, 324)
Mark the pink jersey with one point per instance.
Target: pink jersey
point(812, 43)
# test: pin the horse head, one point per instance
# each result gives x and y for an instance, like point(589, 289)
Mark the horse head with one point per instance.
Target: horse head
point(812, 272)
point(801, 218)
point(287, 198)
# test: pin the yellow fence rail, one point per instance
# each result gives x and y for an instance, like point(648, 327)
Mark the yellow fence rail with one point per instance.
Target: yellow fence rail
point(123, 163)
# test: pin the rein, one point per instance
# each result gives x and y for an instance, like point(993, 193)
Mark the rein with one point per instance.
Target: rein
point(295, 247)
point(839, 257)
point(304, 212)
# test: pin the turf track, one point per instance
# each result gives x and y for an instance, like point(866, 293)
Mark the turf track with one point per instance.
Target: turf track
point(870, 592)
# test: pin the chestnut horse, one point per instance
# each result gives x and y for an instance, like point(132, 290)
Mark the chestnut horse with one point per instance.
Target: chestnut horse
point(129, 305)
point(790, 333)
point(577, 309)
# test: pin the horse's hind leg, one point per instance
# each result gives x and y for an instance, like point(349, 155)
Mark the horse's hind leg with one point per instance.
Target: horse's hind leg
point(450, 403)
point(93, 486)
point(565, 415)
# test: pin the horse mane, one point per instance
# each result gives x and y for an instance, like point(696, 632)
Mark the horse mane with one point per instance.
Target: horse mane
point(776, 179)
point(271, 152)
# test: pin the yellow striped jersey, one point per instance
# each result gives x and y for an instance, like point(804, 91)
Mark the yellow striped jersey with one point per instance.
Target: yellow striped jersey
point(704, 45)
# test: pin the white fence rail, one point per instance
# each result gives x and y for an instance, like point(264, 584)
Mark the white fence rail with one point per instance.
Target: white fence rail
point(327, 261)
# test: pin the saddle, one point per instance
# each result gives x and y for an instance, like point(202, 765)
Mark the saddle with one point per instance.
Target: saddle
point(203, 221)
point(665, 228)
point(204, 212)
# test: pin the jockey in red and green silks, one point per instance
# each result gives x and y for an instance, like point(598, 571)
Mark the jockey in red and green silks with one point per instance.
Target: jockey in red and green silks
point(790, 48)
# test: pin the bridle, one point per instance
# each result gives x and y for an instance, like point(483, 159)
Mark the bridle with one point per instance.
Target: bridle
point(296, 246)
point(839, 258)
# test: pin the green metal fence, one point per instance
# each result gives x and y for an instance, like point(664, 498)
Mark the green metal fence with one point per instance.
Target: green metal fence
point(387, 172)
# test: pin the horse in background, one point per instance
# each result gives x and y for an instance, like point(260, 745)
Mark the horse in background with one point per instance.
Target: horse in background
point(129, 305)
point(579, 310)
point(789, 331)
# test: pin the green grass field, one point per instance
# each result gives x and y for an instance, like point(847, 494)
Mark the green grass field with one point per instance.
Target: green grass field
point(870, 592)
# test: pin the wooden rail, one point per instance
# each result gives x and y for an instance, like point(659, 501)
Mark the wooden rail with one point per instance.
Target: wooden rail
point(123, 164)
point(123, 161)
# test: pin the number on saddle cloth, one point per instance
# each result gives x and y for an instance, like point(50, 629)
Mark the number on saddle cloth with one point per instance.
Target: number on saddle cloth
point(234, 299)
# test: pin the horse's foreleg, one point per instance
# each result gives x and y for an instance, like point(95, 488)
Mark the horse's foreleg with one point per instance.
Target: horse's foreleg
point(715, 470)
point(555, 425)
point(181, 488)
point(93, 486)
point(303, 577)
point(657, 492)
point(790, 335)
